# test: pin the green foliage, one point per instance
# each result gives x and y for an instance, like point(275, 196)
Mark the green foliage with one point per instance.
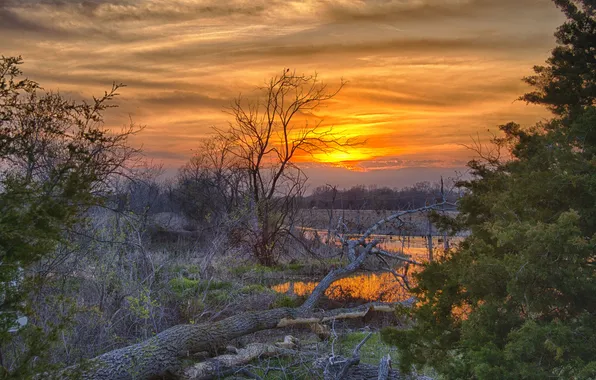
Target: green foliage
point(294, 267)
point(184, 287)
point(215, 285)
point(371, 352)
point(567, 83)
point(142, 305)
point(55, 159)
point(516, 299)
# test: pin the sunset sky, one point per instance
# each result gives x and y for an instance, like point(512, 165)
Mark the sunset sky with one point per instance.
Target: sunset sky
point(424, 76)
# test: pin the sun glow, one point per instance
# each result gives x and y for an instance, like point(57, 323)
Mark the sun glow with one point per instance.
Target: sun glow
point(350, 154)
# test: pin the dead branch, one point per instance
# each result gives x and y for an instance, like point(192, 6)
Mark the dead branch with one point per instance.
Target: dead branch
point(384, 367)
point(224, 364)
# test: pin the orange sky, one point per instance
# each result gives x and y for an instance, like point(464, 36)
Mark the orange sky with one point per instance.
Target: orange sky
point(424, 75)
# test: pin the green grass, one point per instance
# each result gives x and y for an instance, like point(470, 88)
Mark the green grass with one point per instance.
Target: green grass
point(253, 268)
point(185, 287)
point(255, 289)
point(284, 300)
point(371, 352)
point(296, 372)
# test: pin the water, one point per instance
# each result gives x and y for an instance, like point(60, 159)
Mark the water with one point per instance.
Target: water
point(369, 287)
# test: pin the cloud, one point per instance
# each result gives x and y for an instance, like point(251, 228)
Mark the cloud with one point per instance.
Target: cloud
point(395, 178)
point(184, 99)
point(423, 75)
point(426, 10)
point(147, 11)
point(166, 155)
point(12, 21)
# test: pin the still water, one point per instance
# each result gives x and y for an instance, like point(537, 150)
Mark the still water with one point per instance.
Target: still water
point(375, 286)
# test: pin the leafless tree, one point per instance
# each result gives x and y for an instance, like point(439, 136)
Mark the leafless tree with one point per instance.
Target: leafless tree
point(266, 136)
point(210, 185)
point(330, 212)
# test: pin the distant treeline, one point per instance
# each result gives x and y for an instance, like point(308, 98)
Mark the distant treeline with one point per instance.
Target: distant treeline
point(380, 198)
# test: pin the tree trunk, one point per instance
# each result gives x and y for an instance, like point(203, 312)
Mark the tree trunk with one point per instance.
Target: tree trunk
point(161, 354)
point(430, 240)
point(221, 365)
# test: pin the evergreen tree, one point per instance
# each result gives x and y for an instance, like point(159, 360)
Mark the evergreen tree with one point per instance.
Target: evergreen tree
point(56, 159)
point(516, 300)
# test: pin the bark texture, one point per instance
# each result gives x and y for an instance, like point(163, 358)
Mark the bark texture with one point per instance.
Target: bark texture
point(161, 354)
point(384, 367)
point(224, 364)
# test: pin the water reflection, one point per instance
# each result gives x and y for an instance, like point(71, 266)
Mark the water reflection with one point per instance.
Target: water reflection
point(374, 286)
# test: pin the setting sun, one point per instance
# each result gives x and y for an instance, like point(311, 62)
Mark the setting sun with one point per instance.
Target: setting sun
point(353, 154)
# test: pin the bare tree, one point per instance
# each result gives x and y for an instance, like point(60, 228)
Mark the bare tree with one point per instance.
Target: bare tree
point(330, 210)
point(266, 136)
point(210, 185)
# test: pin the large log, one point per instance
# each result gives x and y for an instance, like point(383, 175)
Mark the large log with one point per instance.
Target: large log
point(162, 354)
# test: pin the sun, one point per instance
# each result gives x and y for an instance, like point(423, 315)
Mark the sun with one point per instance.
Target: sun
point(350, 154)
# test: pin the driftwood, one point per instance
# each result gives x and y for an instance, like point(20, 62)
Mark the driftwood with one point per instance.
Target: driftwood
point(163, 353)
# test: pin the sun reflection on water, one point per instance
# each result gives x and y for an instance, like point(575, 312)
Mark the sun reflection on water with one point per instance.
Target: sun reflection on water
point(371, 286)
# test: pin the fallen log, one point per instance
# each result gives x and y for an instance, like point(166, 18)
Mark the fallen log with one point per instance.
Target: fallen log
point(333, 367)
point(225, 364)
point(162, 354)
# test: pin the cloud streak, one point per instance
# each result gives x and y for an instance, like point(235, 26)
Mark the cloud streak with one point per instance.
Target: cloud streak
point(423, 75)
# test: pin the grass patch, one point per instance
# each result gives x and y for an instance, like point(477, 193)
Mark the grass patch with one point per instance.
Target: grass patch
point(295, 267)
point(252, 268)
point(255, 289)
point(275, 372)
point(371, 352)
point(284, 300)
point(185, 287)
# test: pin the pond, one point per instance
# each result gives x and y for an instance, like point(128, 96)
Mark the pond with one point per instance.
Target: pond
point(370, 287)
